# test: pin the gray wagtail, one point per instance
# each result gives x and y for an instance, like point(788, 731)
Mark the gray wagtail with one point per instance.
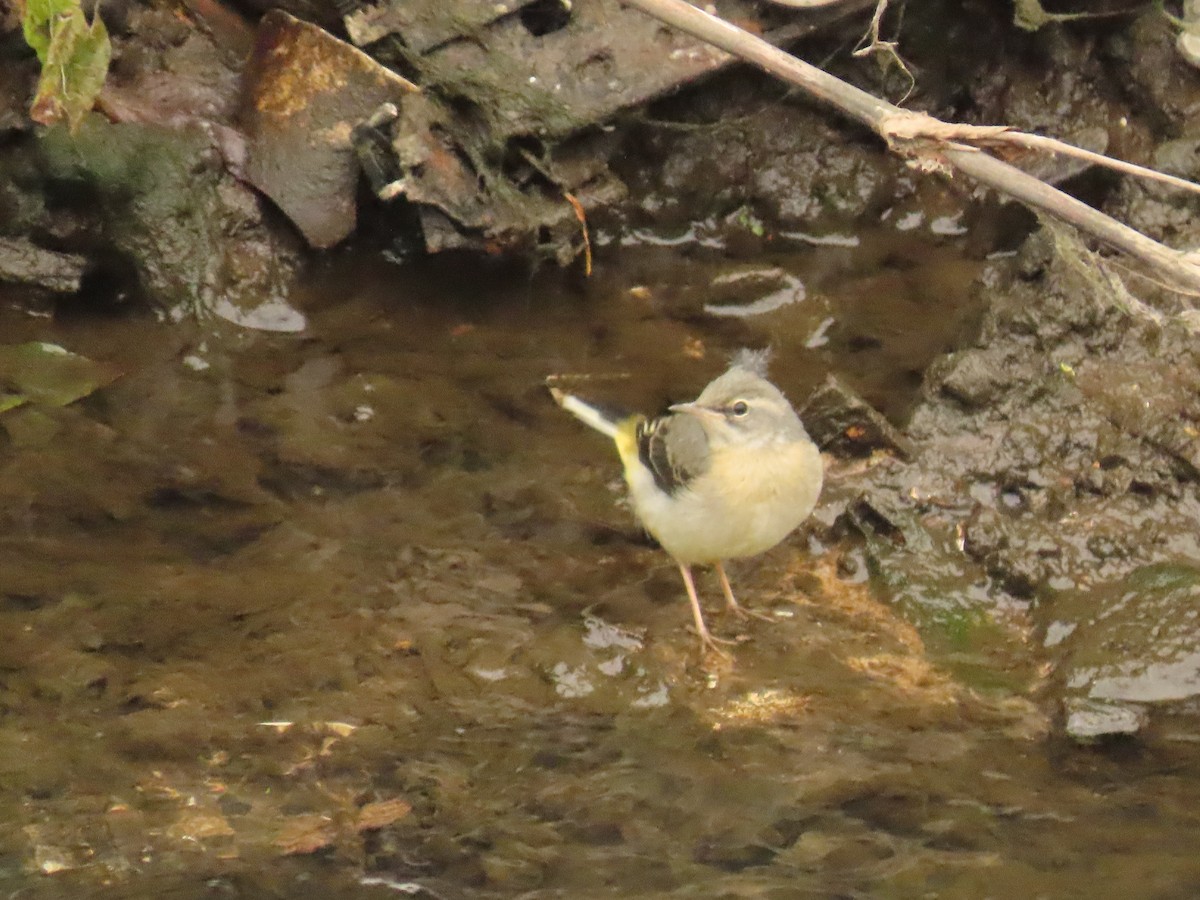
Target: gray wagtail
point(728, 475)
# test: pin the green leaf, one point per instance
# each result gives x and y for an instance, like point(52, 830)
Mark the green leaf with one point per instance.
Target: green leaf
point(11, 401)
point(35, 22)
point(48, 375)
point(74, 68)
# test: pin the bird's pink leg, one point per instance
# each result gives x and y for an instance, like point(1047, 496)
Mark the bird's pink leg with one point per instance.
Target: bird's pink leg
point(731, 602)
point(707, 641)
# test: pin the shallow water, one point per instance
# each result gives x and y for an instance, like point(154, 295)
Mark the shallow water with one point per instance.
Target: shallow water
point(359, 612)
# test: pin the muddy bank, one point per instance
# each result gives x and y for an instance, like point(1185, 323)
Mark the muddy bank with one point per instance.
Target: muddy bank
point(1057, 458)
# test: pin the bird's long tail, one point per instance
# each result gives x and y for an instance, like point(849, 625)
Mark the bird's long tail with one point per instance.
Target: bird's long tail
point(602, 420)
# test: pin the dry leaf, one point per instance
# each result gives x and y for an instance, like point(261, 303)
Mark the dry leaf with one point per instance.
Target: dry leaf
point(381, 814)
point(199, 825)
point(306, 834)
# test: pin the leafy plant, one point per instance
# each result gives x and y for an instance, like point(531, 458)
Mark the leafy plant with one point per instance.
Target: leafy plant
point(74, 54)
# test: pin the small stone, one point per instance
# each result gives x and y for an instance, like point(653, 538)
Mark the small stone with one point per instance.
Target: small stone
point(842, 422)
point(1090, 721)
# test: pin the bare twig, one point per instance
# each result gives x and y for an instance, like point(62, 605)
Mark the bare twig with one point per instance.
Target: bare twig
point(1031, 16)
point(911, 126)
point(930, 143)
point(873, 44)
point(1053, 145)
point(1039, 195)
point(587, 242)
point(808, 4)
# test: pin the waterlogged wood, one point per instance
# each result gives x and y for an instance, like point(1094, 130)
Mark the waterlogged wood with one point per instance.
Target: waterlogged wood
point(923, 139)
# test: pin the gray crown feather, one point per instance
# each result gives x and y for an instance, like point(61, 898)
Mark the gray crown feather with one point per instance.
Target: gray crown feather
point(752, 361)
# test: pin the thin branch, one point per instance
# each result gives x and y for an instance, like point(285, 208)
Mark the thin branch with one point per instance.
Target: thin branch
point(871, 39)
point(1033, 192)
point(872, 43)
point(587, 241)
point(910, 125)
point(928, 142)
point(1046, 144)
point(808, 4)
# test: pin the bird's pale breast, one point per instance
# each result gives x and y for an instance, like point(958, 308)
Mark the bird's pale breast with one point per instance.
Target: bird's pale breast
point(747, 502)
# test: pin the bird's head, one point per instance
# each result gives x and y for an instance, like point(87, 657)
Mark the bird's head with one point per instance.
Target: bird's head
point(741, 408)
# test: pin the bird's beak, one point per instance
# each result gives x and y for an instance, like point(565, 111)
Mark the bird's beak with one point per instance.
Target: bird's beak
point(694, 409)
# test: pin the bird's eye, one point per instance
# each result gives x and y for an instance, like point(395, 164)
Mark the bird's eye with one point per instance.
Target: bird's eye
point(740, 408)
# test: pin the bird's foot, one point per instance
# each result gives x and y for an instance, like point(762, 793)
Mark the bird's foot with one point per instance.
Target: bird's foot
point(742, 613)
point(710, 643)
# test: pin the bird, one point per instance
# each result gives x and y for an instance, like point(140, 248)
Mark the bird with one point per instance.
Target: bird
point(727, 476)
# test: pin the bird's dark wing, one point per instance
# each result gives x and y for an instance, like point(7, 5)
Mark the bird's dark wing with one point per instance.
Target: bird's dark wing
point(674, 448)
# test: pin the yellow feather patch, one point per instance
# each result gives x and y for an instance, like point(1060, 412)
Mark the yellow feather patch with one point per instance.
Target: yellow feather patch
point(626, 441)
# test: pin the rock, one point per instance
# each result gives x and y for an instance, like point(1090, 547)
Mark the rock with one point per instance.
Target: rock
point(1089, 721)
point(975, 377)
point(1158, 85)
point(499, 151)
point(23, 262)
point(167, 215)
point(841, 421)
point(305, 91)
point(1138, 639)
